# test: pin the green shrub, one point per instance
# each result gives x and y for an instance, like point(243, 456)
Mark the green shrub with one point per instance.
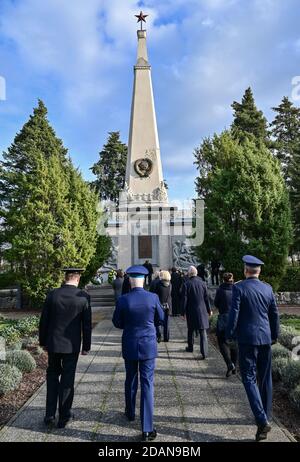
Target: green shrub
point(286, 336)
point(213, 322)
point(10, 334)
point(294, 396)
point(28, 325)
point(291, 280)
point(278, 367)
point(291, 375)
point(279, 351)
point(22, 359)
point(10, 378)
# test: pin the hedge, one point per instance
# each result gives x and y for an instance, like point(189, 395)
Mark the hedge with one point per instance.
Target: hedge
point(291, 375)
point(10, 378)
point(279, 365)
point(279, 351)
point(286, 336)
point(291, 280)
point(22, 359)
point(294, 397)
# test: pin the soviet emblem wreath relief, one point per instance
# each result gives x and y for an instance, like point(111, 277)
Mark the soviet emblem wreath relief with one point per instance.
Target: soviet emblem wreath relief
point(143, 167)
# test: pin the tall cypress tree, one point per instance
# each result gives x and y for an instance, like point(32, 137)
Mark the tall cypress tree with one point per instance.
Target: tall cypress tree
point(248, 120)
point(111, 168)
point(285, 130)
point(247, 209)
point(294, 172)
point(48, 211)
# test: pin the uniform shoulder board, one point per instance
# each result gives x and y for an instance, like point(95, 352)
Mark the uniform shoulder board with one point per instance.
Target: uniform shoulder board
point(267, 284)
point(237, 282)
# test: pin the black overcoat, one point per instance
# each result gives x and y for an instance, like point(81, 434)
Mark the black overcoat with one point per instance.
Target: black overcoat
point(66, 320)
point(196, 304)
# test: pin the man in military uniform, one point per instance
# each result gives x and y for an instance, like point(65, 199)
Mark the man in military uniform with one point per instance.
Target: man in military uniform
point(65, 321)
point(254, 321)
point(138, 313)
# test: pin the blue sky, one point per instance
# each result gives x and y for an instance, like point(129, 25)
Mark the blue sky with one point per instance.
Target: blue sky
point(78, 56)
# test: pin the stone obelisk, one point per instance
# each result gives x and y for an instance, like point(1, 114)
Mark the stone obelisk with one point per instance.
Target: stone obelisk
point(144, 177)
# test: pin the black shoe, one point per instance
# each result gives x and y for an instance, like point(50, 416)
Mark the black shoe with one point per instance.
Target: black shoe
point(129, 417)
point(149, 436)
point(234, 371)
point(189, 350)
point(230, 370)
point(63, 422)
point(262, 431)
point(49, 421)
point(158, 339)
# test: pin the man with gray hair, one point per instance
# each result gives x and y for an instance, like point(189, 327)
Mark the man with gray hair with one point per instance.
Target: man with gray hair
point(254, 321)
point(196, 308)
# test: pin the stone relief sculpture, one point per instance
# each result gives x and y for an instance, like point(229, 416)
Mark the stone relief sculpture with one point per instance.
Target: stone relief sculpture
point(183, 255)
point(160, 194)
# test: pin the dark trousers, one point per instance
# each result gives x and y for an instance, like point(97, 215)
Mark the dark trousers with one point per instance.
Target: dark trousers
point(203, 341)
point(229, 353)
point(256, 371)
point(166, 328)
point(146, 369)
point(215, 276)
point(60, 383)
point(149, 279)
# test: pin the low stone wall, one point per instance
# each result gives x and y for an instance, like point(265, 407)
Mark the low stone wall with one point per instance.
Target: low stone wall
point(288, 298)
point(10, 298)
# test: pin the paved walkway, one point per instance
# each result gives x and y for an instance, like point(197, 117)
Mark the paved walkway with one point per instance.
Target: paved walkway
point(194, 401)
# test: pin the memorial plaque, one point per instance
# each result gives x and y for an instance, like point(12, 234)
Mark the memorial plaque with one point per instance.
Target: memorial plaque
point(145, 247)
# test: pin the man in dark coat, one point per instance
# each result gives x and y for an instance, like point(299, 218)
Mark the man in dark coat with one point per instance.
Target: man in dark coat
point(176, 282)
point(222, 302)
point(196, 308)
point(254, 320)
point(65, 324)
point(126, 285)
point(149, 267)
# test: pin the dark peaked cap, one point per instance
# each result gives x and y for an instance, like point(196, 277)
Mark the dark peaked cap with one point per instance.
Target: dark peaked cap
point(73, 270)
point(250, 260)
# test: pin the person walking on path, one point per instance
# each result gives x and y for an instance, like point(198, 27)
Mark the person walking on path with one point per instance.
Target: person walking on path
point(215, 270)
point(149, 267)
point(176, 282)
point(118, 284)
point(222, 302)
point(137, 313)
point(152, 289)
point(196, 308)
point(65, 321)
point(164, 290)
point(254, 320)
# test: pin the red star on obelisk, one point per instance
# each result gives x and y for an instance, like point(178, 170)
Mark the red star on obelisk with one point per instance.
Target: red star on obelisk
point(141, 18)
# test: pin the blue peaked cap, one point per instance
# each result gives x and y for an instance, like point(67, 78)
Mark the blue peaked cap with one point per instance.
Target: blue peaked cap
point(250, 260)
point(137, 271)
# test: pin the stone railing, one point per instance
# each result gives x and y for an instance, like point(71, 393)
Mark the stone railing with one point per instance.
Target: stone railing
point(282, 298)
